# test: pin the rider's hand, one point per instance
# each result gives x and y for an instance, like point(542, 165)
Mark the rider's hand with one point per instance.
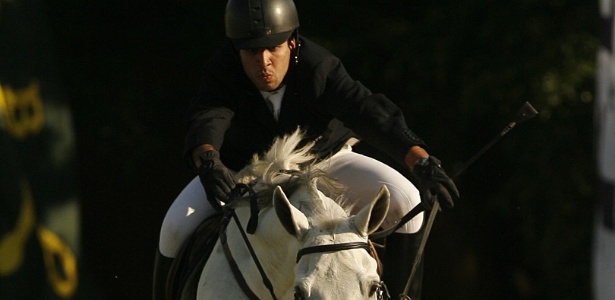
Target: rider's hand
point(215, 177)
point(433, 182)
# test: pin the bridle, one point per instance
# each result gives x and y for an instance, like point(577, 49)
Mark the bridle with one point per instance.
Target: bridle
point(333, 248)
point(382, 293)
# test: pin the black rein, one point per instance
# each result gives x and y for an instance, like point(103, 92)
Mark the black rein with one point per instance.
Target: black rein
point(242, 189)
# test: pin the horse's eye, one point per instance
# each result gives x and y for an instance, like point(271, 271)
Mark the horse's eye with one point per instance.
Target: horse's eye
point(380, 290)
point(374, 289)
point(299, 294)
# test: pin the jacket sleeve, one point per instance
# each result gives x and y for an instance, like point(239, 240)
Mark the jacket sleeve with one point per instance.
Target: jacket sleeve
point(209, 116)
point(375, 118)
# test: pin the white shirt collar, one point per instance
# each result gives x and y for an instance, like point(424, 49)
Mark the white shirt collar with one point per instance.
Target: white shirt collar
point(275, 98)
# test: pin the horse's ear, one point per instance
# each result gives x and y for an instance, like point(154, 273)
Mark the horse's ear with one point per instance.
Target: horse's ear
point(291, 218)
point(371, 217)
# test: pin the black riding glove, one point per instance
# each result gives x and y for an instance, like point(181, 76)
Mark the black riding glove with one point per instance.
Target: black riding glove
point(215, 177)
point(434, 183)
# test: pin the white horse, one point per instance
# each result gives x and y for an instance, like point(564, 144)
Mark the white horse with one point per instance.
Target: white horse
point(306, 246)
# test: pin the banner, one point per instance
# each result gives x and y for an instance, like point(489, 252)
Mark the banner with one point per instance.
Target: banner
point(39, 213)
point(604, 227)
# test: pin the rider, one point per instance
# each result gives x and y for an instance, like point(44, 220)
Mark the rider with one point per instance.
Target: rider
point(268, 80)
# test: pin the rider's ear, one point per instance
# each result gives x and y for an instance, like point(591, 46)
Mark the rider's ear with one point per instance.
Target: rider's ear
point(292, 43)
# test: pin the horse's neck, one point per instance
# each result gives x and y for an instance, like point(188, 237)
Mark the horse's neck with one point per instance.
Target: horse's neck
point(270, 233)
point(274, 248)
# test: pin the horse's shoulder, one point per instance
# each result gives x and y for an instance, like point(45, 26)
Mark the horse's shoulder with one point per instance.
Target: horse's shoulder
point(186, 268)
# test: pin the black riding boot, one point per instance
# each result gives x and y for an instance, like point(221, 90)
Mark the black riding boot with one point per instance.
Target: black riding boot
point(400, 251)
point(162, 264)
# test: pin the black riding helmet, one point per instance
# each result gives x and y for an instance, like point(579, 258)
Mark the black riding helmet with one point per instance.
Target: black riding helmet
point(260, 23)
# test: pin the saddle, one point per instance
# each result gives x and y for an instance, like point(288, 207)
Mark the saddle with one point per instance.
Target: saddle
point(185, 270)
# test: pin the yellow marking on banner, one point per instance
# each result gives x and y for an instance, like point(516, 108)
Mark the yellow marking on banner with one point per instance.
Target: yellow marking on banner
point(61, 275)
point(22, 109)
point(12, 244)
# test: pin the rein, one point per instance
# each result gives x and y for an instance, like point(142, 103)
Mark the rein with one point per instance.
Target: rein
point(231, 260)
point(304, 251)
point(237, 193)
point(382, 292)
point(252, 223)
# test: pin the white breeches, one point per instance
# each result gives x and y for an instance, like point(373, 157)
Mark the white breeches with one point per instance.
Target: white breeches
point(364, 176)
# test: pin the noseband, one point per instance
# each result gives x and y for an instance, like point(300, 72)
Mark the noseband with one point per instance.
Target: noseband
point(230, 214)
point(381, 294)
point(308, 250)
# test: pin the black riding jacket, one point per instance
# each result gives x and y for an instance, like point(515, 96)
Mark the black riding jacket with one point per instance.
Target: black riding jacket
point(321, 98)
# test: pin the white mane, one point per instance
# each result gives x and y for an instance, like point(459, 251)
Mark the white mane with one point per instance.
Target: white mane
point(283, 155)
point(286, 159)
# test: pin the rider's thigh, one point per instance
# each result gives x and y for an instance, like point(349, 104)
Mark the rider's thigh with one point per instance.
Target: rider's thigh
point(364, 176)
point(188, 210)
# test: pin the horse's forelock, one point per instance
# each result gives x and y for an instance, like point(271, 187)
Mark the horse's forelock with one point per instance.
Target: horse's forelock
point(286, 154)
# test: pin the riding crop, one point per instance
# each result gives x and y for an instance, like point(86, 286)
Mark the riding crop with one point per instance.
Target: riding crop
point(526, 112)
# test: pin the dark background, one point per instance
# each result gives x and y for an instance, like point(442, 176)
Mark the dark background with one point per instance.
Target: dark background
point(459, 69)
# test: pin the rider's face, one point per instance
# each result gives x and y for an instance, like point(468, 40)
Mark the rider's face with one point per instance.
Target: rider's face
point(266, 67)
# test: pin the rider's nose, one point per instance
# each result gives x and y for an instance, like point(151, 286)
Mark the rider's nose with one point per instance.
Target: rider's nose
point(264, 58)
